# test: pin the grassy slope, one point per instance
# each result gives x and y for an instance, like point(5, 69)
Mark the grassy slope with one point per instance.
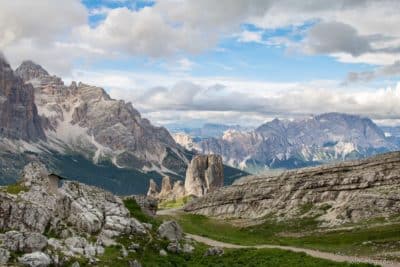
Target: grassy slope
point(360, 240)
point(148, 254)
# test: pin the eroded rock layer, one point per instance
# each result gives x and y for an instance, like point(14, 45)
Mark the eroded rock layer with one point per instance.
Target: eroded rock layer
point(335, 194)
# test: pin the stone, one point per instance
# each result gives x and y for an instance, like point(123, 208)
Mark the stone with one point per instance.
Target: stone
point(75, 264)
point(24, 242)
point(187, 248)
point(170, 230)
point(163, 253)
point(204, 174)
point(174, 247)
point(153, 189)
point(35, 259)
point(4, 256)
point(166, 188)
point(134, 263)
point(348, 192)
point(214, 251)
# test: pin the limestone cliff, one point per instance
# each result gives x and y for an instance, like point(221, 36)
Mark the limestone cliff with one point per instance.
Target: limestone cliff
point(346, 192)
point(203, 175)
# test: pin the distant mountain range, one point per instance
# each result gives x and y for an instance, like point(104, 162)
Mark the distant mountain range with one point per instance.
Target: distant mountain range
point(81, 133)
point(298, 143)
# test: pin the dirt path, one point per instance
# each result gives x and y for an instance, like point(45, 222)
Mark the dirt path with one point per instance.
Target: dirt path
point(313, 253)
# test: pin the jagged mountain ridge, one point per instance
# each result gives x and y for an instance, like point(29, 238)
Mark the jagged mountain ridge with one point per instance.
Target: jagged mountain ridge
point(298, 143)
point(43, 119)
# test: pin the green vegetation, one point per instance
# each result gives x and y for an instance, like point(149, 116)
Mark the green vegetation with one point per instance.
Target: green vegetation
point(136, 212)
point(16, 188)
point(148, 255)
point(363, 239)
point(175, 203)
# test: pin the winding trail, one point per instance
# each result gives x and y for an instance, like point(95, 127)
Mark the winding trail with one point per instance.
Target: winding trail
point(313, 253)
point(310, 252)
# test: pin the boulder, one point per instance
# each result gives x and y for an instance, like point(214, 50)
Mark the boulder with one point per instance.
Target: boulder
point(24, 242)
point(204, 174)
point(35, 259)
point(170, 230)
point(214, 251)
point(174, 247)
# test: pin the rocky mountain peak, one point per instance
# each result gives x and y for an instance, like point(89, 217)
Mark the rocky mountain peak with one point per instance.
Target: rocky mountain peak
point(29, 70)
point(19, 117)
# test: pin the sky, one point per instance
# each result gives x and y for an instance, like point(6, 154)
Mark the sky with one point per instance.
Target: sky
point(187, 62)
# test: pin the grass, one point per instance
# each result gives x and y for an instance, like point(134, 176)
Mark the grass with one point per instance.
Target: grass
point(149, 256)
point(175, 203)
point(361, 240)
point(15, 189)
point(136, 212)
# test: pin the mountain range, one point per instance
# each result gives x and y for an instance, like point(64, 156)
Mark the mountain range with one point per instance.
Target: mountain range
point(296, 143)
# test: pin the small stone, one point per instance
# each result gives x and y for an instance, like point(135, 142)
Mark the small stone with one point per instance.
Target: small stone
point(163, 253)
point(134, 263)
point(187, 248)
point(75, 264)
point(174, 247)
point(214, 251)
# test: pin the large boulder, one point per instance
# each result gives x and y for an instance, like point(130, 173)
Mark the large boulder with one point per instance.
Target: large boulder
point(204, 174)
point(170, 230)
point(24, 242)
point(35, 259)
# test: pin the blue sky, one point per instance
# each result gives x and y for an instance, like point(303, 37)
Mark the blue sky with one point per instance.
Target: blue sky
point(243, 61)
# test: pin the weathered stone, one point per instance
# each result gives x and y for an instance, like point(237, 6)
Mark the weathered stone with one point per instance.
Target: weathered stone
point(204, 174)
point(35, 259)
point(174, 247)
point(134, 263)
point(187, 248)
point(163, 253)
point(153, 189)
point(346, 192)
point(4, 256)
point(214, 251)
point(170, 230)
point(24, 242)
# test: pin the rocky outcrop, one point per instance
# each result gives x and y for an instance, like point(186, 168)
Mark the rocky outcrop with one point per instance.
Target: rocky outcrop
point(299, 143)
point(72, 211)
point(153, 190)
point(167, 192)
point(19, 117)
point(335, 194)
point(204, 174)
point(170, 230)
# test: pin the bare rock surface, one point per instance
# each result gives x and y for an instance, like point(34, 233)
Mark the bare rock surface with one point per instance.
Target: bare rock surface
point(170, 230)
point(204, 174)
point(346, 192)
point(72, 211)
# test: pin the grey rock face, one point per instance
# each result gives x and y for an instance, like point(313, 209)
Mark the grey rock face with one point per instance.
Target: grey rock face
point(293, 144)
point(346, 192)
point(153, 189)
point(170, 230)
point(167, 192)
point(99, 126)
point(4, 256)
point(204, 174)
point(86, 208)
point(19, 117)
point(24, 242)
point(35, 259)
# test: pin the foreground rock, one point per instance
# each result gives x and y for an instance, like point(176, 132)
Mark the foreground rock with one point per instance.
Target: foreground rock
point(73, 212)
point(170, 230)
point(335, 194)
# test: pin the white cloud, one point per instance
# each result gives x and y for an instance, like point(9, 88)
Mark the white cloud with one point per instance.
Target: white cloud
point(250, 36)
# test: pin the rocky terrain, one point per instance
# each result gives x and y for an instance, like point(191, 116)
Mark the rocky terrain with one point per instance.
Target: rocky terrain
point(204, 174)
point(333, 194)
point(292, 144)
point(45, 220)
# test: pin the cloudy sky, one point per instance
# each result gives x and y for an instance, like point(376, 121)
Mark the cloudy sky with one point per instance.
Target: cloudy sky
point(242, 61)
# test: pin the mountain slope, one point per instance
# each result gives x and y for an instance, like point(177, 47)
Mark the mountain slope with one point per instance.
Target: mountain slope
point(299, 143)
